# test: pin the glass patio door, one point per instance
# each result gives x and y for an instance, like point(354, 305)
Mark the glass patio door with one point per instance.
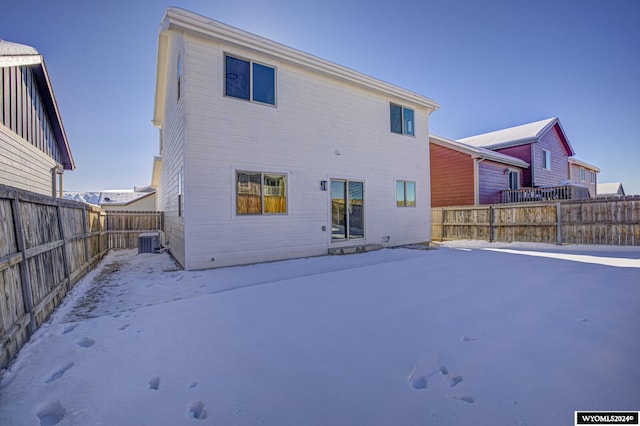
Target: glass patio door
point(347, 209)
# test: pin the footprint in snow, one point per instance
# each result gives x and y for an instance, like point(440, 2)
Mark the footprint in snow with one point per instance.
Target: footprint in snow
point(450, 380)
point(193, 385)
point(197, 410)
point(154, 383)
point(464, 398)
point(59, 372)
point(123, 328)
point(468, 339)
point(85, 342)
point(417, 381)
point(69, 328)
point(50, 413)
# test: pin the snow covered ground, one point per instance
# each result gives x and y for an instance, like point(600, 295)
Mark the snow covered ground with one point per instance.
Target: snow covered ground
point(460, 335)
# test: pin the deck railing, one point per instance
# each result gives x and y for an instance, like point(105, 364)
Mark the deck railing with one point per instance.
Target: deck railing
point(551, 193)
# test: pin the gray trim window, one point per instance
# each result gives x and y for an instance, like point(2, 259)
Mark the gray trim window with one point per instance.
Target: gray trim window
point(260, 193)
point(514, 179)
point(401, 118)
point(546, 159)
point(249, 80)
point(405, 193)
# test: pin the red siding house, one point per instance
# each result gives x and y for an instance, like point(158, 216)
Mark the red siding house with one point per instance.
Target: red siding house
point(467, 175)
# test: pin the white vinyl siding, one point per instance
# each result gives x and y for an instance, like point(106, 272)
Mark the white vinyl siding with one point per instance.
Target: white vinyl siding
point(322, 129)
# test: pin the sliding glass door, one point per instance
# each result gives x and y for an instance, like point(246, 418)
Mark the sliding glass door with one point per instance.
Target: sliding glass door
point(347, 209)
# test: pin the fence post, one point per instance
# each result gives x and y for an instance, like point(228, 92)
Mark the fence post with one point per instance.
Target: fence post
point(65, 256)
point(24, 268)
point(442, 229)
point(558, 224)
point(491, 227)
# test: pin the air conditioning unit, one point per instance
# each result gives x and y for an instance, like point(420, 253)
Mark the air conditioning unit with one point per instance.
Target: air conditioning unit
point(149, 242)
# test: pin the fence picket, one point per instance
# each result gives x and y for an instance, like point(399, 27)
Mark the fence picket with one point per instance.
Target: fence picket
point(46, 246)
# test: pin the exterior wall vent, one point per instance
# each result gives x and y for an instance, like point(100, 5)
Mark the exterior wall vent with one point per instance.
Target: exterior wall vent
point(149, 242)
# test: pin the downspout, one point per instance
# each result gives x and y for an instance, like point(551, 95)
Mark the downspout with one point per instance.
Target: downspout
point(476, 180)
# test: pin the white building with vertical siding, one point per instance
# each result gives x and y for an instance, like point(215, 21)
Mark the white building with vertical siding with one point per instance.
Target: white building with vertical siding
point(271, 153)
point(34, 151)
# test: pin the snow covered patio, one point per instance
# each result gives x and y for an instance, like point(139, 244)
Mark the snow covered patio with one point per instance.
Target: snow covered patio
point(460, 335)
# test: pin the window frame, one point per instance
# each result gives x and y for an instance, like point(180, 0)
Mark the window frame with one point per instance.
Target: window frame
point(179, 72)
point(592, 176)
point(583, 174)
point(263, 193)
point(405, 202)
point(403, 120)
point(348, 209)
point(181, 191)
point(511, 181)
point(546, 159)
point(251, 88)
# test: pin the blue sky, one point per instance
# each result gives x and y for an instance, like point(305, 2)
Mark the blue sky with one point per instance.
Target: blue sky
point(490, 65)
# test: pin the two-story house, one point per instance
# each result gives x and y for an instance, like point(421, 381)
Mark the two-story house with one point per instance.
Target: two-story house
point(269, 153)
point(34, 151)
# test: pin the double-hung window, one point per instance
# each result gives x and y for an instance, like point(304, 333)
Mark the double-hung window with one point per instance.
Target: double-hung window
point(583, 174)
point(546, 159)
point(405, 193)
point(260, 193)
point(592, 177)
point(401, 119)
point(249, 80)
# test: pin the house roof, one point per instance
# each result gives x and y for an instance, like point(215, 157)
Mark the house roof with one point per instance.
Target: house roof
point(478, 152)
point(584, 164)
point(122, 198)
point(14, 55)
point(176, 19)
point(518, 135)
point(609, 188)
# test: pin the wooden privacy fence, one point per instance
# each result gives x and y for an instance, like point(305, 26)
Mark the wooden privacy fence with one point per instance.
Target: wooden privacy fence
point(614, 221)
point(46, 246)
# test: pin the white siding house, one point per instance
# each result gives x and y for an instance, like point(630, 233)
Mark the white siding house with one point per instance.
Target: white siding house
point(34, 151)
point(270, 153)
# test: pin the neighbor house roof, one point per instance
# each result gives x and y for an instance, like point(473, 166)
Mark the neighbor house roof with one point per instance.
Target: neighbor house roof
point(478, 152)
point(583, 164)
point(609, 188)
point(176, 19)
point(15, 55)
point(122, 198)
point(518, 135)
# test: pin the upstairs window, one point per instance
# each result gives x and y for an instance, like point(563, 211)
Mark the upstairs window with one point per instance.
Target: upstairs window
point(401, 120)
point(592, 177)
point(245, 79)
point(405, 193)
point(583, 175)
point(546, 159)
